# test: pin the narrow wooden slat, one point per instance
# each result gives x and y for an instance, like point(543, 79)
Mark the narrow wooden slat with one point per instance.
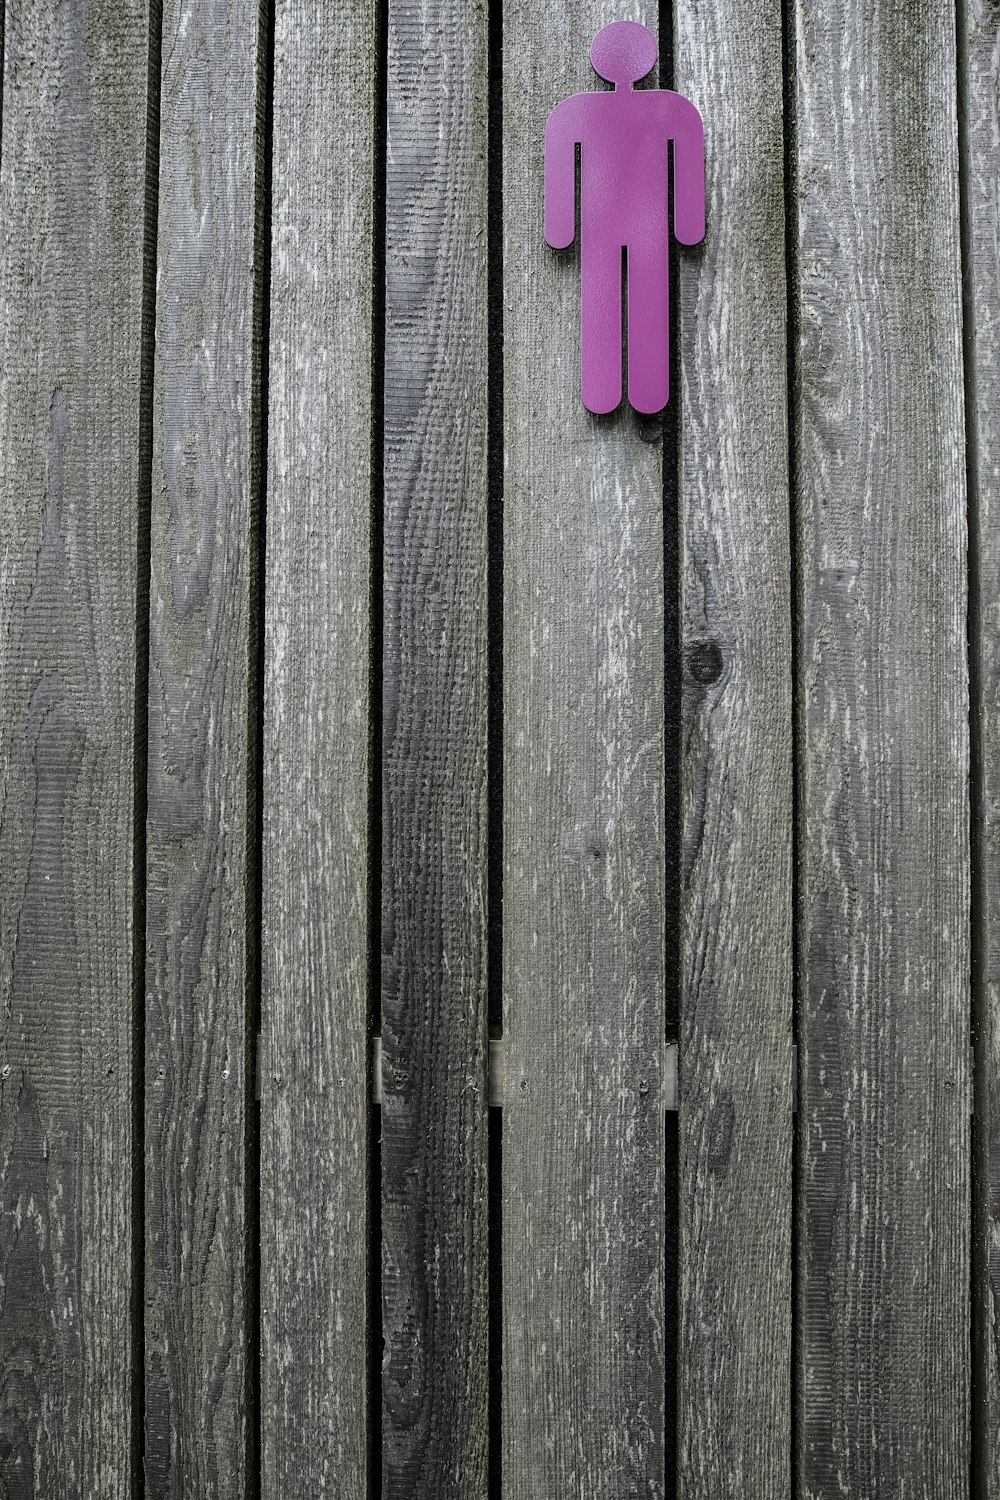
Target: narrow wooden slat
point(3, 17)
point(434, 1271)
point(584, 984)
point(980, 61)
point(314, 1107)
point(734, 1370)
point(199, 1060)
point(883, 1321)
point(72, 206)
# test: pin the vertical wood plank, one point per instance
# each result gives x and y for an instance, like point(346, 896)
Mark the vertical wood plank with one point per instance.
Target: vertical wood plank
point(434, 1096)
point(734, 1369)
point(883, 1320)
point(199, 1059)
point(979, 34)
point(72, 205)
point(315, 1094)
point(3, 19)
point(584, 1007)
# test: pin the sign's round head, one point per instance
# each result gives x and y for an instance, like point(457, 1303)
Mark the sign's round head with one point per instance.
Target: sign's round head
point(623, 52)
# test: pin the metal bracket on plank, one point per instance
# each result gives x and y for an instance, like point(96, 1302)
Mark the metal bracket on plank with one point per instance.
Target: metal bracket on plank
point(497, 1070)
point(376, 1069)
point(671, 1083)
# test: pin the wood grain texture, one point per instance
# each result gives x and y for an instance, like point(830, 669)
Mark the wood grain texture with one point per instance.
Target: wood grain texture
point(3, 17)
point(584, 1007)
point(734, 1372)
point(199, 1059)
point(315, 1091)
point(883, 1327)
point(72, 206)
point(979, 34)
point(434, 1037)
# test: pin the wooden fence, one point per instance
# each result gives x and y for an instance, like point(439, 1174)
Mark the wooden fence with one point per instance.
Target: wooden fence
point(355, 682)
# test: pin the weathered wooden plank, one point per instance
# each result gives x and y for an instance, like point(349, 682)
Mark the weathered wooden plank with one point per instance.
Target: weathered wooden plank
point(979, 37)
point(72, 205)
point(584, 1009)
point(434, 1102)
point(3, 17)
point(314, 1107)
point(883, 1321)
point(199, 1057)
point(734, 1371)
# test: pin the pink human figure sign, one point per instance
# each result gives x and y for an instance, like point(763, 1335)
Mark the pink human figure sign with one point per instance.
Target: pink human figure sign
point(623, 137)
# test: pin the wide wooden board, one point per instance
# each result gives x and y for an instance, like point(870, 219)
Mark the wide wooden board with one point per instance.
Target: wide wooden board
point(434, 1097)
point(73, 215)
point(199, 1094)
point(883, 1185)
point(314, 1121)
point(734, 1370)
point(583, 909)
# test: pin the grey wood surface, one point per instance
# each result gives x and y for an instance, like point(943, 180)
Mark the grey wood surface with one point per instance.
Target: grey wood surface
point(734, 1367)
point(199, 1023)
point(314, 1107)
point(979, 35)
point(72, 207)
point(584, 1009)
point(883, 1322)
point(434, 1097)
